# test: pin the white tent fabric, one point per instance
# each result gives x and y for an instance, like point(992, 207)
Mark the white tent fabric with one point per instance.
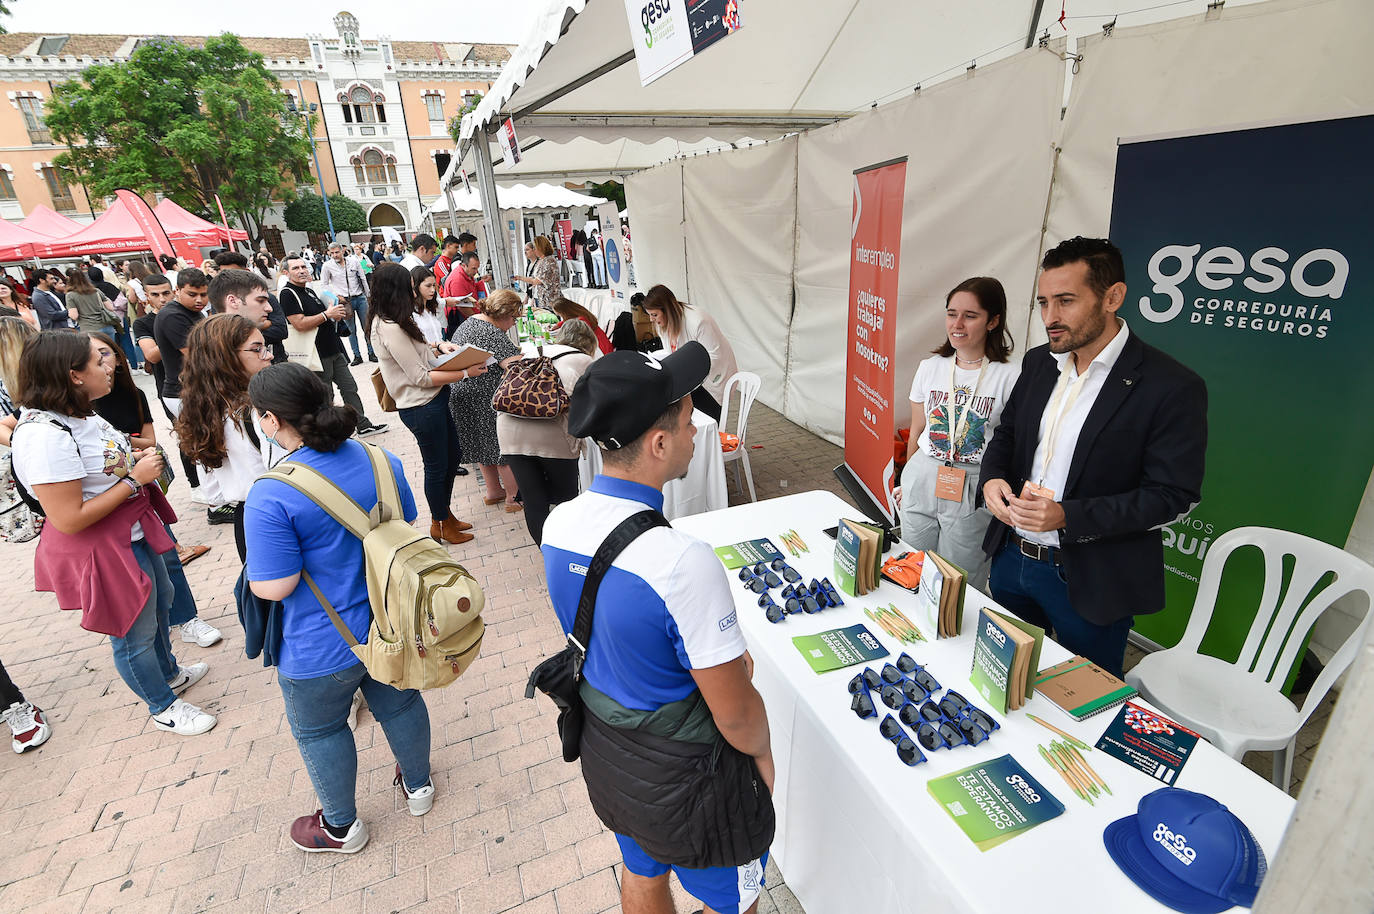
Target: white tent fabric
point(659, 229)
point(517, 196)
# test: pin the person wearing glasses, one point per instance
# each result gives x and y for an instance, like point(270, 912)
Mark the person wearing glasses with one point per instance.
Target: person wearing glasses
point(215, 427)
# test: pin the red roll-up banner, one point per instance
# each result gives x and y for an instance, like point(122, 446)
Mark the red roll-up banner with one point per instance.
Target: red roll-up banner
point(875, 257)
point(152, 230)
point(564, 227)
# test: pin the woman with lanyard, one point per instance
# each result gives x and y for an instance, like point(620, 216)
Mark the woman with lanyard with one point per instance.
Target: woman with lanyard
point(957, 398)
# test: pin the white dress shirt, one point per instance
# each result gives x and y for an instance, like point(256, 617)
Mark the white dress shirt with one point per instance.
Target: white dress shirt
point(1074, 396)
point(343, 279)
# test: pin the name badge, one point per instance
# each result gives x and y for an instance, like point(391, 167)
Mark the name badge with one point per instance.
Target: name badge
point(949, 483)
point(1031, 488)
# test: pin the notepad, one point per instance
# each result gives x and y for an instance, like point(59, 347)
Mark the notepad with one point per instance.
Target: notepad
point(1081, 688)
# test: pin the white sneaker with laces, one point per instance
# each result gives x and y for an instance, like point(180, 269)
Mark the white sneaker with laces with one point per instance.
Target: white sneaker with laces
point(420, 801)
point(198, 631)
point(184, 718)
point(188, 676)
point(27, 725)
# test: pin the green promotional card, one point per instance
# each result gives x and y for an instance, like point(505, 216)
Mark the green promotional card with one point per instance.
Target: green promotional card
point(847, 559)
point(839, 648)
point(749, 552)
point(994, 801)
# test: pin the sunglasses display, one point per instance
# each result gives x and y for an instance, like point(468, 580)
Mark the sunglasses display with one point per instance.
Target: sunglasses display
point(917, 673)
point(907, 750)
point(943, 735)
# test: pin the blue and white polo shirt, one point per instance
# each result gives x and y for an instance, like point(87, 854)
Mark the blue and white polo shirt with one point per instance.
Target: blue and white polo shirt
point(664, 608)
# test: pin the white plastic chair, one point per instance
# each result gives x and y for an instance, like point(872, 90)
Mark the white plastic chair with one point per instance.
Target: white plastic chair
point(748, 384)
point(1239, 706)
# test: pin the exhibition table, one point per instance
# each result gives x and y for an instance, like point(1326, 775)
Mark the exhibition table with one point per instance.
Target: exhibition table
point(601, 302)
point(857, 830)
point(701, 490)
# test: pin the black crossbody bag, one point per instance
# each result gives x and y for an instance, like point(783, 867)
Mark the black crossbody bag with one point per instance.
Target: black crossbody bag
point(559, 676)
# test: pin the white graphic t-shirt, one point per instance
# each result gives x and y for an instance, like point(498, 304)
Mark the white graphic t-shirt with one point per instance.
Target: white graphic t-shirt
point(977, 420)
point(95, 453)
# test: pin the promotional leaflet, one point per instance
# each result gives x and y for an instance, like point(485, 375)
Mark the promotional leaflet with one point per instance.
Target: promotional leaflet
point(994, 801)
point(1148, 741)
point(839, 648)
point(749, 552)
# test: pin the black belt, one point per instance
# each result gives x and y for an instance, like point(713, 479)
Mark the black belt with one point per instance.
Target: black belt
point(1037, 551)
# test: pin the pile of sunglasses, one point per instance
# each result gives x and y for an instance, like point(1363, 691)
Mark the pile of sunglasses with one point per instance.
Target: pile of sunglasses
point(796, 596)
point(909, 689)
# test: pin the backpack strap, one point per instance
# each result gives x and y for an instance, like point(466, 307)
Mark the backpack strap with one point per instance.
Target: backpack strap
point(626, 532)
point(324, 492)
point(388, 493)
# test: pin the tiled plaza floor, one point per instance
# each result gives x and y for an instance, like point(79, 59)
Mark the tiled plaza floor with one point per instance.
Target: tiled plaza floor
point(114, 815)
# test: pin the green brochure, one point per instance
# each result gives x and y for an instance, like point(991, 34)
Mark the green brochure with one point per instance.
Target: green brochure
point(994, 801)
point(749, 552)
point(839, 648)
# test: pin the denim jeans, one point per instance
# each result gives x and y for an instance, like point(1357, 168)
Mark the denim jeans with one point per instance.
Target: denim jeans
point(357, 322)
point(317, 710)
point(183, 601)
point(1039, 593)
point(434, 431)
point(143, 657)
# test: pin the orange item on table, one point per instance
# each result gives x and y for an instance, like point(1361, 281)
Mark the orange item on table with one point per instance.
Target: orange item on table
point(905, 570)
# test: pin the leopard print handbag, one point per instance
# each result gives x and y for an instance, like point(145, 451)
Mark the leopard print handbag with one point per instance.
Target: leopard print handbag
point(531, 389)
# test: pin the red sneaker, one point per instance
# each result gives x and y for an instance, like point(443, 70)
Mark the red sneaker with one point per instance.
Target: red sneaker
point(309, 834)
point(27, 725)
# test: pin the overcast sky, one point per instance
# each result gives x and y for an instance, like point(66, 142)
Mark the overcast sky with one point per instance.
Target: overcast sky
point(493, 21)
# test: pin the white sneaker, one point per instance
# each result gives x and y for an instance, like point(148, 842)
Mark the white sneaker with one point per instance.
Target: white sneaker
point(198, 631)
point(188, 676)
point(27, 725)
point(420, 801)
point(198, 496)
point(184, 718)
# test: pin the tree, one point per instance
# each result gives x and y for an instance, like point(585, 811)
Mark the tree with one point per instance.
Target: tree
point(185, 122)
point(306, 214)
point(611, 190)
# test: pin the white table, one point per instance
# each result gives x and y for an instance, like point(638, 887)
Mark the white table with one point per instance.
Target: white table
point(601, 302)
point(703, 489)
point(857, 831)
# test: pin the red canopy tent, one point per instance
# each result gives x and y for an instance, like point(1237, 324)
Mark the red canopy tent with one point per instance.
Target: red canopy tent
point(117, 230)
point(17, 243)
point(50, 224)
point(181, 224)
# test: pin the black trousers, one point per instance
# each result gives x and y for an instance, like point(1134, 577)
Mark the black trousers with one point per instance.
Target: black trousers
point(706, 403)
point(9, 692)
point(544, 482)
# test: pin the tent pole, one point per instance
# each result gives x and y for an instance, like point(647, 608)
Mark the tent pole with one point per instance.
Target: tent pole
point(452, 209)
point(491, 211)
point(1034, 21)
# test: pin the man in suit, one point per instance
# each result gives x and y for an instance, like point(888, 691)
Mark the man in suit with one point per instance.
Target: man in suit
point(1101, 444)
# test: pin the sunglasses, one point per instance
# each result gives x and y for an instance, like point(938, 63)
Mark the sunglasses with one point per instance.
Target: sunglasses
point(896, 695)
point(862, 705)
point(807, 604)
point(907, 750)
point(865, 680)
point(943, 735)
point(954, 706)
point(918, 673)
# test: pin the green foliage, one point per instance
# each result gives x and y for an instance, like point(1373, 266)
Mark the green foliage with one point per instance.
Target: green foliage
point(185, 122)
point(611, 190)
point(306, 214)
point(455, 124)
point(4, 11)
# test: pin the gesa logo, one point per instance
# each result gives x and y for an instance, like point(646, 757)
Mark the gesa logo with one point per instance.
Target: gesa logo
point(651, 13)
point(1215, 269)
point(1175, 844)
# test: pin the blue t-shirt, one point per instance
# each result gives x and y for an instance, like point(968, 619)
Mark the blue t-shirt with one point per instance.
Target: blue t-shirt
point(664, 608)
point(287, 533)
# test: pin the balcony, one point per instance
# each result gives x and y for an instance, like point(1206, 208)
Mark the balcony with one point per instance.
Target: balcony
point(39, 136)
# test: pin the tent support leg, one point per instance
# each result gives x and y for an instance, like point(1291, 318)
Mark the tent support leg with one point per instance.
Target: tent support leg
point(491, 212)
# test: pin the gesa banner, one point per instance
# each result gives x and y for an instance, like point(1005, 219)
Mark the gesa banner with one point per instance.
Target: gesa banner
point(1249, 258)
point(875, 254)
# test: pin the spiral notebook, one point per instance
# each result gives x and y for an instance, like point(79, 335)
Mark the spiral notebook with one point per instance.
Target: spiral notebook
point(1081, 688)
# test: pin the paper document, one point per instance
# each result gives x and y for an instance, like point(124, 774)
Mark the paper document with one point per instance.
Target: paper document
point(464, 357)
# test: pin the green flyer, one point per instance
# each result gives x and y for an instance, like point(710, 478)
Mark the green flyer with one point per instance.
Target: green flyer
point(749, 552)
point(839, 648)
point(994, 801)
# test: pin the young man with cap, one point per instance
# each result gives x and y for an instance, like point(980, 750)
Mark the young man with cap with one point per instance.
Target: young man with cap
point(666, 661)
point(1101, 445)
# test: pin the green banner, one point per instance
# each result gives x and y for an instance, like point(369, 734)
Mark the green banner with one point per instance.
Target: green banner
point(1249, 258)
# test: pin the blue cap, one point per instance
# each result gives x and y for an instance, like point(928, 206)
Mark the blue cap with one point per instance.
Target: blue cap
point(1188, 851)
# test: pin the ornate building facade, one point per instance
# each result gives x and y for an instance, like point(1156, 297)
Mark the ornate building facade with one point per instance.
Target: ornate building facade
point(382, 109)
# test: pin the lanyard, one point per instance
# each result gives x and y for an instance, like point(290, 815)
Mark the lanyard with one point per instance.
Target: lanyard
point(1066, 391)
point(953, 412)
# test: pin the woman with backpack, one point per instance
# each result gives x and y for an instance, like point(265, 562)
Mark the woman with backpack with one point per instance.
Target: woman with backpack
point(291, 537)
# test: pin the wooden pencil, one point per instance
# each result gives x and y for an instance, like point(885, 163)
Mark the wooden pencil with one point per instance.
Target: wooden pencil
point(1073, 740)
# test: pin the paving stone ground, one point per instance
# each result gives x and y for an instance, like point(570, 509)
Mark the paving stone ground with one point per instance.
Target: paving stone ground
point(114, 815)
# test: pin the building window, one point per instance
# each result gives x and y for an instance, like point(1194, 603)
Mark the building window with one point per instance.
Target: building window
point(58, 190)
point(358, 175)
point(376, 167)
point(32, 109)
point(6, 186)
point(367, 108)
point(434, 106)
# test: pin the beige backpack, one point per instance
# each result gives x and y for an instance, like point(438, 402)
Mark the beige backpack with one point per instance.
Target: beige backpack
point(426, 609)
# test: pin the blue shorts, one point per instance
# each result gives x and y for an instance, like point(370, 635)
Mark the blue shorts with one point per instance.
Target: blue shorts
point(725, 889)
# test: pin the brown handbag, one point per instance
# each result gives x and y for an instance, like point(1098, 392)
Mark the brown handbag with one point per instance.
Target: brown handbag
point(384, 398)
point(531, 389)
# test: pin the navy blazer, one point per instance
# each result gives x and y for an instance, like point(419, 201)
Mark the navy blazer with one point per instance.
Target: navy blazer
point(1137, 466)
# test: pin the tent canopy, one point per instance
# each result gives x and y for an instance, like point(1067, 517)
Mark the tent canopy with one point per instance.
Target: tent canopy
point(181, 223)
point(519, 196)
point(117, 231)
point(50, 223)
point(17, 242)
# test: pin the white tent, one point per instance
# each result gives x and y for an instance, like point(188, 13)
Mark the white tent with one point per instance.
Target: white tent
point(518, 196)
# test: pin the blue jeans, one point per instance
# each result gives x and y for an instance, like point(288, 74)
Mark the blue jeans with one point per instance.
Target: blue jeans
point(183, 601)
point(1039, 593)
point(143, 657)
point(433, 428)
point(317, 710)
point(357, 321)
point(131, 350)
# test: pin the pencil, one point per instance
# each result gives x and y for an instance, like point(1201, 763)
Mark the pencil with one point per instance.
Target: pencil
point(1062, 773)
point(886, 626)
point(801, 544)
point(1062, 751)
point(1082, 761)
point(1073, 740)
point(1088, 789)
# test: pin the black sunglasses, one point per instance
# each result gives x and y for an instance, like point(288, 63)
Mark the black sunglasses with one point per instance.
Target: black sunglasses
point(907, 750)
point(862, 705)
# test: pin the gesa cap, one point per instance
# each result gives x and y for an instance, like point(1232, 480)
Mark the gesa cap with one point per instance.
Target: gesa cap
point(623, 393)
point(1188, 851)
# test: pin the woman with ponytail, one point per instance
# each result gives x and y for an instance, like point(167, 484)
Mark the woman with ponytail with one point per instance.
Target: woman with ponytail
point(288, 534)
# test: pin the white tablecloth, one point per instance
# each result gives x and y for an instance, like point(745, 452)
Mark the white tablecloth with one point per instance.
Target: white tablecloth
point(600, 302)
point(704, 487)
point(857, 831)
